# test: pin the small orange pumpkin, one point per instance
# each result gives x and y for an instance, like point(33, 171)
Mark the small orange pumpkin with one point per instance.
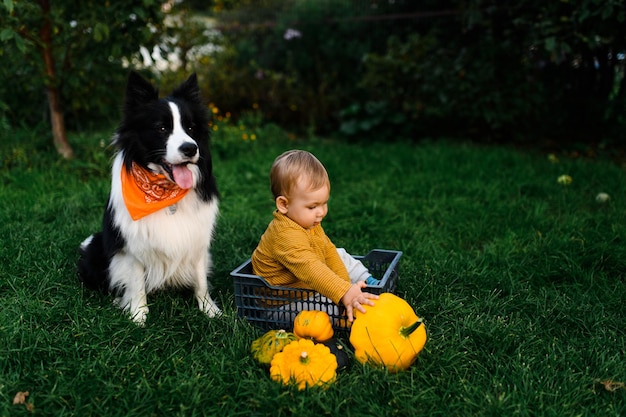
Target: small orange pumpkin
point(313, 324)
point(305, 364)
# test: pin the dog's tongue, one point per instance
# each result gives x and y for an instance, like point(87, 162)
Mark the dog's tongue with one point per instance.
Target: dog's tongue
point(182, 176)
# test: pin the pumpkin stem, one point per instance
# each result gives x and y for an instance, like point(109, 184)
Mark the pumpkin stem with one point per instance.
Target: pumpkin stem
point(304, 357)
point(407, 331)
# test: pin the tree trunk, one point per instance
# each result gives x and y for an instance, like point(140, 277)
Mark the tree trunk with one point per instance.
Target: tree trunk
point(57, 118)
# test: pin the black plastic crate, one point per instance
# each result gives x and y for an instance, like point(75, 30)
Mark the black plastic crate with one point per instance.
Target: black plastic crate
point(273, 307)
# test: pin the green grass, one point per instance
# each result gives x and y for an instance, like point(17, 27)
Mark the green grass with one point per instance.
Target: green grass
point(521, 282)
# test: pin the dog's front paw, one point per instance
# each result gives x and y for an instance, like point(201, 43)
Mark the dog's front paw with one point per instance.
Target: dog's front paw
point(139, 315)
point(209, 307)
point(138, 311)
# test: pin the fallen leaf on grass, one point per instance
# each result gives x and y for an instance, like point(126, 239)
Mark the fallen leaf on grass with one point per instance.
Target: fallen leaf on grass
point(613, 386)
point(20, 397)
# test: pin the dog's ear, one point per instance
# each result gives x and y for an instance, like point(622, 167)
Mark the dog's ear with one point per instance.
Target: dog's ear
point(138, 92)
point(189, 90)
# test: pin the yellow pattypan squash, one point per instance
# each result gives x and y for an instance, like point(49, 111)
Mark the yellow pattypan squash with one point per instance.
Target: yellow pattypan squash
point(305, 364)
point(313, 324)
point(265, 347)
point(389, 334)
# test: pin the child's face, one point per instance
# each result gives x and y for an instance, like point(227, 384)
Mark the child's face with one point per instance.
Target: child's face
point(305, 206)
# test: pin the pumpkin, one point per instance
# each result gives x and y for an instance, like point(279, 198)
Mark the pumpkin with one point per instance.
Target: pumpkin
point(313, 324)
point(389, 334)
point(265, 347)
point(304, 364)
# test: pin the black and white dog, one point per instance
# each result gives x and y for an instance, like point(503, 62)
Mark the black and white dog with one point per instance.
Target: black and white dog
point(159, 221)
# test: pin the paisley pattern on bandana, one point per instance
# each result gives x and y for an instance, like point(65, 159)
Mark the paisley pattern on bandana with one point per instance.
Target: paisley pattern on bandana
point(145, 192)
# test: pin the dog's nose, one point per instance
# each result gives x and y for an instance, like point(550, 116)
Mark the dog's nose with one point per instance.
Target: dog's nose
point(188, 149)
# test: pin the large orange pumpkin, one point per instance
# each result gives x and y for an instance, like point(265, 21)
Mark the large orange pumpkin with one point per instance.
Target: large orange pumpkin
point(389, 334)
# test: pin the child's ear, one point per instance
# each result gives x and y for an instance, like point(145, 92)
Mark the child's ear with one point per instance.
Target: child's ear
point(282, 204)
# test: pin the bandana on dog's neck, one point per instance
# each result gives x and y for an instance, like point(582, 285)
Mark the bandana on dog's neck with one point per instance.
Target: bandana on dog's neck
point(145, 192)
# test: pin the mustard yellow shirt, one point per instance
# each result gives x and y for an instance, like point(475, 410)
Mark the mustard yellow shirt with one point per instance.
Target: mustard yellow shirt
point(289, 255)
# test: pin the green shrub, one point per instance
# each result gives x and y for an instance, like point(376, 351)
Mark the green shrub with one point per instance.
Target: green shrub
point(482, 69)
point(300, 70)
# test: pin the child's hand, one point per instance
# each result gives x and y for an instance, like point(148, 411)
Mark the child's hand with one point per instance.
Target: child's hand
point(355, 299)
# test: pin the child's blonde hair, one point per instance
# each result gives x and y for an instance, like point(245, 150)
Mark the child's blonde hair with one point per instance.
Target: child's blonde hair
point(292, 165)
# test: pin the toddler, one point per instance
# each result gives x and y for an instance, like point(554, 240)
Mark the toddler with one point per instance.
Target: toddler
point(294, 251)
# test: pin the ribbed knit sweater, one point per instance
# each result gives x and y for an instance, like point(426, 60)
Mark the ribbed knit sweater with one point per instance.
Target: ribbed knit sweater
point(291, 256)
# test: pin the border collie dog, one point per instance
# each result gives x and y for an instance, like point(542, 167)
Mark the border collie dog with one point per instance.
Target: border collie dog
point(158, 224)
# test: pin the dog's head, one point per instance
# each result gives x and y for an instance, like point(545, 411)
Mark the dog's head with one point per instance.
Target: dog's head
point(168, 135)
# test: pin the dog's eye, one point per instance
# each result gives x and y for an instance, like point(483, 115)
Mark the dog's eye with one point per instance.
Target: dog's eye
point(190, 129)
point(162, 129)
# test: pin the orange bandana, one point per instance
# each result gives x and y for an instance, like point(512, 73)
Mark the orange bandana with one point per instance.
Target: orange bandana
point(145, 192)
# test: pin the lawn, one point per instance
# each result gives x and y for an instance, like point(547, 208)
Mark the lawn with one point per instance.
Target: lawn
point(521, 282)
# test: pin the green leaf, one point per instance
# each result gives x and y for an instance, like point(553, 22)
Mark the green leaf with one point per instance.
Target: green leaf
point(141, 13)
point(100, 32)
point(9, 5)
point(21, 45)
point(6, 34)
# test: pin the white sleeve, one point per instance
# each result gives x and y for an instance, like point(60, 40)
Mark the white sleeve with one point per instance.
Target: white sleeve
point(356, 269)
